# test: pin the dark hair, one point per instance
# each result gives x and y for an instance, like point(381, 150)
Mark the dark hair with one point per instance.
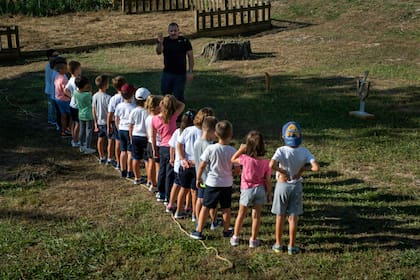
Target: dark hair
point(187, 119)
point(50, 52)
point(81, 82)
point(118, 82)
point(101, 81)
point(173, 24)
point(140, 102)
point(255, 144)
point(57, 60)
point(224, 129)
point(73, 66)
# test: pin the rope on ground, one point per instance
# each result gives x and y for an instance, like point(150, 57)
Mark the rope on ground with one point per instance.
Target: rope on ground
point(230, 264)
point(26, 112)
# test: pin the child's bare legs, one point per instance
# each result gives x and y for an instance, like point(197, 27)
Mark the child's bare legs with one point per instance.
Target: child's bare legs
point(188, 200)
point(198, 206)
point(213, 214)
point(240, 220)
point(100, 146)
point(181, 198)
point(136, 169)
point(63, 122)
point(204, 214)
point(117, 152)
point(174, 194)
point(256, 221)
point(129, 162)
point(156, 170)
point(151, 170)
point(193, 202)
point(280, 219)
point(293, 222)
point(110, 148)
point(75, 127)
point(226, 214)
point(123, 161)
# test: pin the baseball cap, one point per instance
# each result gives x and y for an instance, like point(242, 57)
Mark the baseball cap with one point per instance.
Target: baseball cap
point(128, 88)
point(292, 134)
point(142, 93)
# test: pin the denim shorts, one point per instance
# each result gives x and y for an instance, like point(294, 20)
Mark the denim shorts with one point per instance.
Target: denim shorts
point(214, 195)
point(253, 196)
point(102, 133)
point(187, 177)
point(125, 145)
point(138, 147)
point(74, 113)
point(114, 134)
point(200, 193)
point(63, 106)
point(287, 199)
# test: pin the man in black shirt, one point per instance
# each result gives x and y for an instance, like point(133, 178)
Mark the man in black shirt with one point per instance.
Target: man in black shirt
point(175, 49)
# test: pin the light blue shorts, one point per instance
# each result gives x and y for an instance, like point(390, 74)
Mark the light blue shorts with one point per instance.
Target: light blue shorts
point(253, 196)
point(287, 199)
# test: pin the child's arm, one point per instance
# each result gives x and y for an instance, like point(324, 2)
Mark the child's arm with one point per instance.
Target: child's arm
point(154, 147)
point(314, 168)
point(95, 119)
point(274, 165)
point(117, 122)
point(67, 92)
point(200, 171)
point(109, 117)
point(171, 156)
point(181, 151)
point(235, 157)
point(130, 132)
point(269, 187)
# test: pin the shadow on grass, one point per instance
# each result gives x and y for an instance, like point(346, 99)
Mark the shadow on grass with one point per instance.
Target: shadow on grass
point(32, 216)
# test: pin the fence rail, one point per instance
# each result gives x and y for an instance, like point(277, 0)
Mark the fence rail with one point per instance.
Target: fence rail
point(145, 6)
point(9, 41)
point(250, 18)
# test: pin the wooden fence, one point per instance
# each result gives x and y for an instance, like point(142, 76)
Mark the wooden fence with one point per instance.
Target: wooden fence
point(237, 20)
point(9, 42)
point(145, 6)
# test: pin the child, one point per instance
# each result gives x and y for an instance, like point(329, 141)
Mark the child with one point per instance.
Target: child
point(75, 70)
point(138, 132)
point(122, 121)
point(187, 172)
point(186, 121)
point(255, 185)
point(289, 163)
point(117, 83)
point(100, 101)
point(62, 98)
point(83, 98)
point(152, 165)
point(208, 137)
point(219, 179)
point(165, 125)
point(50, 74)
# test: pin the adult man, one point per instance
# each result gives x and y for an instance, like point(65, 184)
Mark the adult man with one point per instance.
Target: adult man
point(175, 49)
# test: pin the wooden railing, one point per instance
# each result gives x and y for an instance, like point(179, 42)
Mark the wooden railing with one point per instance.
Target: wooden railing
point(9, 41)
point(146, 6)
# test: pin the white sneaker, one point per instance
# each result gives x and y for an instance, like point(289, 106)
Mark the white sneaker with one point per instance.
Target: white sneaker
point(82, 149)
point(153, 189)
point(89, 151)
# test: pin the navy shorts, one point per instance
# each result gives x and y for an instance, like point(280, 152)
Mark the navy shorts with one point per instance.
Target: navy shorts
point(187, 178)
point(125, 145)
point(74, 113)
point(63, 106)
point(102, 133)
point(114, 134)
point(214, 195)
point(139, 145)
point(176, 180)
point(200, 192)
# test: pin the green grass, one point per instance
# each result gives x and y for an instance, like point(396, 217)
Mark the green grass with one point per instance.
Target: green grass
point(64, 217)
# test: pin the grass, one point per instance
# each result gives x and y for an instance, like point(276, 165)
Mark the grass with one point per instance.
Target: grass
point(63, 216)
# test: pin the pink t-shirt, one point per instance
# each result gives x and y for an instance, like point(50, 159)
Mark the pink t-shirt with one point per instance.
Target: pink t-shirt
point(254, 171)
point(165, 129)
point(60, 83)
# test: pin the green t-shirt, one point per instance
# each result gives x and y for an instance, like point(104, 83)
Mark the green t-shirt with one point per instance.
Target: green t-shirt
point(84, 102)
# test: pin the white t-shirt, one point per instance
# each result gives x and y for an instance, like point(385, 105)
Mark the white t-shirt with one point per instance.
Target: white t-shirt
point(218, 157)
point(122, 111)
point(172, 143)
point(149, 129)
point(292, 159)
point(188, 137)
point(114, 101)
point(100, 102)
point(138, 119)
point(199, 146)
point(71, 86)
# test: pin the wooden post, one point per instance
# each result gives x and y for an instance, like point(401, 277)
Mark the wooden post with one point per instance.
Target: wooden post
point(234, 16)
point(219, 18)
point(242, 14)
point(9, 37)
point(227, 17)
point(17, 39)
point(263, 11)
point(211, 18)
point(256, 12)
point(249, 13)
point(197, 22)
point(204, 20)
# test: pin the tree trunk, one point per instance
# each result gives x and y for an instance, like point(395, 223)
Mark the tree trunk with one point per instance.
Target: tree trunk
point(227, 50)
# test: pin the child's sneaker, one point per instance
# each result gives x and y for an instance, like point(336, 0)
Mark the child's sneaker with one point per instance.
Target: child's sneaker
point(179, 215)
point(196, 235)
point(102, 161)
point(228, 233)
point(123, 173)
point(170, 209)
point(157, 195)
point(187, 210)
point(82, 149)
point(254, 243)
point(130, 175)
point(89, 151)
point(278, 248)
point(153, 189)
point(148, 184)
point(193, 218)
point(117, 166)
point(292, 250)
point(137, 182)
point(75, 144)
point(234, 240)
point(160, 198)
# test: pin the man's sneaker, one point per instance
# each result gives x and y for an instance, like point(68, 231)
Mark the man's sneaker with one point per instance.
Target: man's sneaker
point(82, 149)
point(254, 243)
point(153, 189)
point(234, 240)
point(102, 161)
point(170, 209)
point(196, 235)
point(130, 174)
point(292, 250)
point(228, 233)
point(179, 215)
point(89, 151)
point(278, 248)
point(123, 173)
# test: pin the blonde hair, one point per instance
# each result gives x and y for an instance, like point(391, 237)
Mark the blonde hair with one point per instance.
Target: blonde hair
point(201, 115)
point(152, 102)
point(168, 107)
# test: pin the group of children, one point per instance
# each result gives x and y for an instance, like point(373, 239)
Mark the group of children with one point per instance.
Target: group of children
point(190, 167)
